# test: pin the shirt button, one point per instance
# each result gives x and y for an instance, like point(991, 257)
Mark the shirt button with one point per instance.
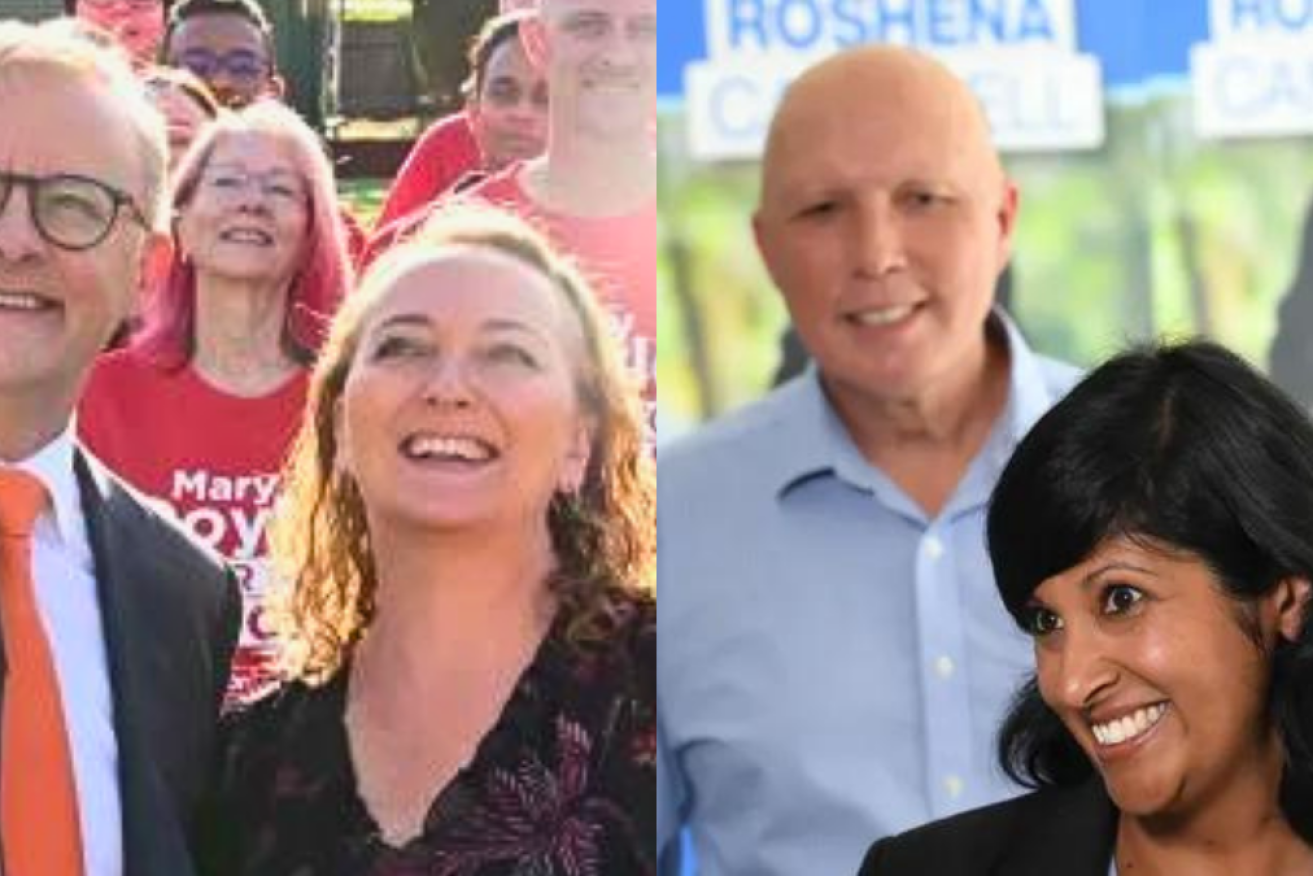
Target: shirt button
point(944, 667)
point(953, 786)
point(934, 548)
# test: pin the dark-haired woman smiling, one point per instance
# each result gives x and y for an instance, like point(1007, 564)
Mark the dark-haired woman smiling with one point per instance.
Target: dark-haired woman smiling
point(1152, 535)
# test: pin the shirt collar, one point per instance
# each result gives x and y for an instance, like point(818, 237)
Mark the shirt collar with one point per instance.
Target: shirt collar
point(812, 440)
point(53, 466)
point(1029, 393)
point(805, 435)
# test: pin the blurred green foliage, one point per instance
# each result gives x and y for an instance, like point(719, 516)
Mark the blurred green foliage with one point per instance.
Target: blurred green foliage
point(364, 198)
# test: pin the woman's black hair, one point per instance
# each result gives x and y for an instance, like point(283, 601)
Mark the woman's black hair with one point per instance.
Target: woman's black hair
point(1180, 445)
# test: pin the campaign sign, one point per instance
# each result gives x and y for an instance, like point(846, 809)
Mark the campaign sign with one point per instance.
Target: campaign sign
point(1255, 77)
point(1019, 57)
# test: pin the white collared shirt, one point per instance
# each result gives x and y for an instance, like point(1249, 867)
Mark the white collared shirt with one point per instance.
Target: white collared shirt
point(66, 596)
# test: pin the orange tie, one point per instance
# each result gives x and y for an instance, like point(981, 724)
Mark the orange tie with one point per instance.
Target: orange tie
point(38, 798)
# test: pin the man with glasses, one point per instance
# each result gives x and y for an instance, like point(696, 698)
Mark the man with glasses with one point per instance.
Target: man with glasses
point(117, 630)
point(227, 43)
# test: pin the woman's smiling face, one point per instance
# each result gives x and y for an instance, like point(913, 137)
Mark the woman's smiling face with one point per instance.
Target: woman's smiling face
point(249, 215)
point(461, 404)
point(1159, 675)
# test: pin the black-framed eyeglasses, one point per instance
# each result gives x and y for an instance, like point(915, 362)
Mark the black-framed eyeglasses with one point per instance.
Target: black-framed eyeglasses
point(241, 65)
point(69, 211)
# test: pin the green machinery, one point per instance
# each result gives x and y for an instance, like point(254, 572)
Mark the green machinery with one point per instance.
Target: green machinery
point(306, 39)
point(32, 10)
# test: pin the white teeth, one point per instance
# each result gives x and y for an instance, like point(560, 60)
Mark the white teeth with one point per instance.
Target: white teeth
point(247, 235)
point(467, 449)
point(1128, 727)
point(21, 301)
point(885, 315)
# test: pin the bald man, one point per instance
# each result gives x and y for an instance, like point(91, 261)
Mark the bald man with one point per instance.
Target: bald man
point(834, 659)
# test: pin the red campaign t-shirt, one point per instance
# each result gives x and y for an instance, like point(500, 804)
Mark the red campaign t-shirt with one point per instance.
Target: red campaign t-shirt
point(616, 253)
point(356, 239)
point(442, 155)
point(214, 457)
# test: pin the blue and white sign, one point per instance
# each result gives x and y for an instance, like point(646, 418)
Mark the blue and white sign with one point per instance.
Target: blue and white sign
point(1255, 77)
point(801, 26)
point(1019, 56)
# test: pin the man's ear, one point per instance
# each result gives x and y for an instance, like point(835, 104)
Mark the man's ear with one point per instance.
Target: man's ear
point(1007, 221)
point(761, 233)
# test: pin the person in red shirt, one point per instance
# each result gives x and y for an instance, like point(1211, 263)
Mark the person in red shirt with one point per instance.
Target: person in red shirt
point(200, 408)
point(593, 191)
point(504, 120)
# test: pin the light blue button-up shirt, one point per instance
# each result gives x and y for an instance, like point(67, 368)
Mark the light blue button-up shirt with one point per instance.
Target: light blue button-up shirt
point(833, 664)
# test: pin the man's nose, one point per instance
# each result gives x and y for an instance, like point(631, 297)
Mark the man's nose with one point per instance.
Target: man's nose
point(878, 239)
point(19, 238)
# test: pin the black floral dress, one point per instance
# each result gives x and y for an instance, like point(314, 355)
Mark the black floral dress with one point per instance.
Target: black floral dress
point(563, 785)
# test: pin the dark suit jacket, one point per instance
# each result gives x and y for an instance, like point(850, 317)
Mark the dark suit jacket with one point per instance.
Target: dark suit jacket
point(1067, 831)
point(171, 615)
